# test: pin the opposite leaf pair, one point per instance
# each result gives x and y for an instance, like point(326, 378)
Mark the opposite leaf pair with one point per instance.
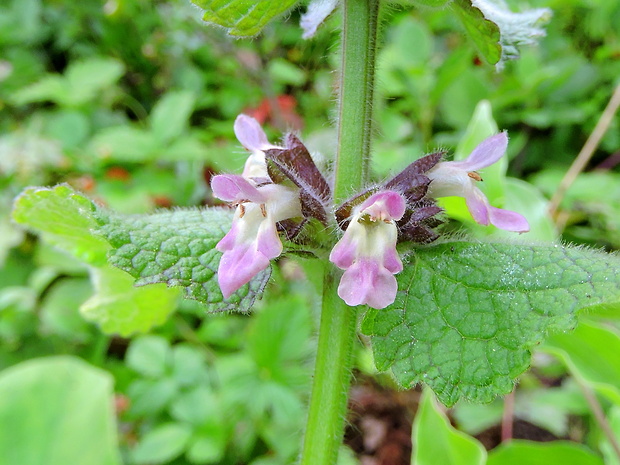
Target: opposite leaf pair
point(281, 189)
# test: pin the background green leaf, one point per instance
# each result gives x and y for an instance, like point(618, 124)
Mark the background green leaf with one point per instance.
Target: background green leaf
point(119, 307)
point(82, 82)
point(57, 411)
point(466, 315)
point(435, 441)
point(591, 354)
point(519, 452)
point(162, 444)
point(170, 116)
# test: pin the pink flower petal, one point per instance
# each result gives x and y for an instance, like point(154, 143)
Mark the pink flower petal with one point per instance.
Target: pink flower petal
point(508, 220)
point(366, 282)
point(250, 133)
point(267, 240)
point(238, 266)
point(392, 262)
point(344, 252)
point(385, 205)
point(478, 205)
point(234, 188)
point(489, 151)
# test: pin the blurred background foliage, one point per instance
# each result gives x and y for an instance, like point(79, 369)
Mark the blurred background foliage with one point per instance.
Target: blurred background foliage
point(133, 101)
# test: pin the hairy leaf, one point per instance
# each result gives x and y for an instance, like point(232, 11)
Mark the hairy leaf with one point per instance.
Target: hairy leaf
point(178, 248)
point(496, 31)
point(485, 34)
point(466, 315)
point(64, 218)
point(516, 29)
point(243, 18)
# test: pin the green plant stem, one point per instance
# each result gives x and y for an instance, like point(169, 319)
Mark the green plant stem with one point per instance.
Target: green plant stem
point(326, 416)
point(359, 44)
point(338, 327)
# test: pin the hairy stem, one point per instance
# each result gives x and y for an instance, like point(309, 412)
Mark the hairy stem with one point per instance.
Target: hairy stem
point(359, 44)
point(337, 331)
point(326, 417)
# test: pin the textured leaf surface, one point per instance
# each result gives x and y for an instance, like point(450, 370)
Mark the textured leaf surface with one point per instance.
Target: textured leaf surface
point(243, 18)
point(64, 218)
point(178, 248)
point(436, 441)
point(466, 315)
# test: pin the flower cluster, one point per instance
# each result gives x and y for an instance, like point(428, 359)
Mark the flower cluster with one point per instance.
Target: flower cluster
point(281, 190)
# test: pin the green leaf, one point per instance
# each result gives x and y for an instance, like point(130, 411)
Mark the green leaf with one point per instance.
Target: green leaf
point(436, 441)
point(57, 411)
point(188, 365)
point(83, 82)
point(208, 449)
point(185, 148)
point(516, 29)
point(519, 452)
point(150, 396)
point(59, 311)
point(484, 33)
point(178, 248)
point(86, 79)
point(243, 18)
point(162, 444)
point(467, 315)
point(198, 406)
point(47, 88)
point(481, 125)
point(591, 354)
point(609, 452)
point(286, 73)
point(119, 307)
point(149, 356)
point(526, 199)
point(496, 31)
point(124, 143)
point(170, 115)
point(64, 218)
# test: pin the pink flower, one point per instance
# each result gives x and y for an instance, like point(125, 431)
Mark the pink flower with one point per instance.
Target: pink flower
point(253, 239)
point(367, 251)
point(459, 178)
point(253, 138)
